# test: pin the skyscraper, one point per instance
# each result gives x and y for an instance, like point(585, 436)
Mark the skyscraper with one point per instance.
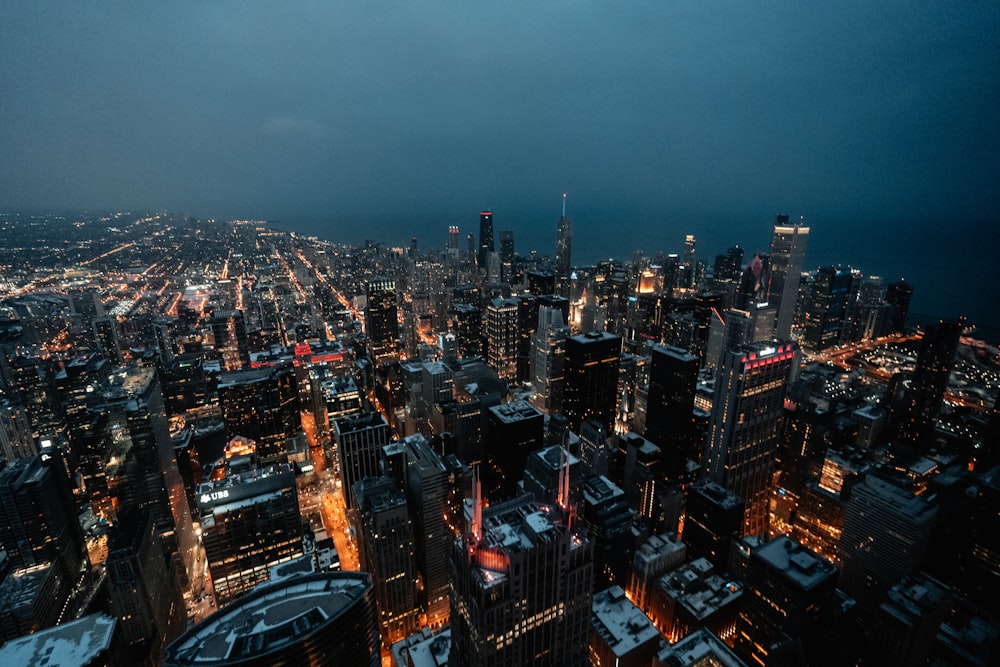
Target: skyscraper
point(788, 252)
point(359, 445)
point(673, 379)
point(827, 307)
point(564, 252)
point(915, 414)
point(743, 431)
point(502, 337)
point(486, 245)
point(262, 404)
point(387, 553)
point(521, 581)
point(898, 296)
point(506, 256)
point(591, 372)
point(250, 522)
point(381, 319)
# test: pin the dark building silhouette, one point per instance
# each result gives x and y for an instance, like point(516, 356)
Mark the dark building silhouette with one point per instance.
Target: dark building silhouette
point(673, 379)
point(564, 253)
point(898, 296)
point(229, 331)
point(486, 243)
point(713, 520)
point(591, 378)
point(917, 407)
point(788, 592)
point(315, 619)
point(467, 323)
point(513, 431)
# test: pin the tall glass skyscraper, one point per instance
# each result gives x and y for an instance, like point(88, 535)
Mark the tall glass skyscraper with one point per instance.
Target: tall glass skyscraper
point(485, 238)
point(788, 252)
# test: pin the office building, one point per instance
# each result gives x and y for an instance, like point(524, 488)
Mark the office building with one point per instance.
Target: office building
point(467, 324)
point(885, 536)
point(743, 431)
point(548, 360)
point(507, 256)
point(262, 404)
point(502, 337)
point(695, 596)
point(359, 441)
point(486, 243)
point(313, 619)
point(898, 296)
point(827, 307)
point(590, 390)
point(657, 555)
point(788, 252)
point(381, 319)
point(521, 581)
point(250, 522)
point(701, 648)
point(513, 431)
point(673, 380)
point(606, 514)
point(143, 594)
point(620, 634)
point(713, 521)
point(386, 551)
point(915, 413)
point(788, 591)
point(428, 490)
point(564, 253)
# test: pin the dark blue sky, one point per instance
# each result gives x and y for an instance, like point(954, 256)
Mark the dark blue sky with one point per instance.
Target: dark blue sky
point(877, 121)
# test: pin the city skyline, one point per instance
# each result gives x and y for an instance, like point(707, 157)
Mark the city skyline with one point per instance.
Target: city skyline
point(875, 123)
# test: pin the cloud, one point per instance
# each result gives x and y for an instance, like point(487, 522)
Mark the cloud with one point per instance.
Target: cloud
point(293, 126)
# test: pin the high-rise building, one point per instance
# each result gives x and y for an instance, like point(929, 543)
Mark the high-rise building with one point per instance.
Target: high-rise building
point(359, 441)
point(38, 521)
point(915, 413)
point(142, 592)
point(521, 582)
point(381, 319)
point(564, 253)
point(427, 493)
point(788, 253)
point(313, 619)
point(590, 390)
point(467, 323)
point(743, 431)
point(16, 441)
point(262, 404)
point(885, 536)
point(507, 256)
point(502, 337)
point(620, 634)
point(513, 430)
point(453, 241)
point(548, 359)
point(898, 296)
point(673, 380)
point(95, 640)
point(107, 338)
point(713, 520)
point(486, 245)
point(827, 308)
point(250, 522)
point(789, 590)
point(527, 323)
point(386, 551)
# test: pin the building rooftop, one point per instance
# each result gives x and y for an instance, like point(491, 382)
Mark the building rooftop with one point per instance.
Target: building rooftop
point(515, 411)
point(699, 649)
point(423, 649)
point(796, 562)
point(75, 643)
point(270, 617)
point(20, 587)
point(620, 623)
point(699, 589)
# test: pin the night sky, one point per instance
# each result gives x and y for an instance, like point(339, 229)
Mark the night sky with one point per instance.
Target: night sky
point(876, 121)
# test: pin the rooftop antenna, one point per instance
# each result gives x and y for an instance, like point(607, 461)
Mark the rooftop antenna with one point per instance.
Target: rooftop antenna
point(564, 205)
